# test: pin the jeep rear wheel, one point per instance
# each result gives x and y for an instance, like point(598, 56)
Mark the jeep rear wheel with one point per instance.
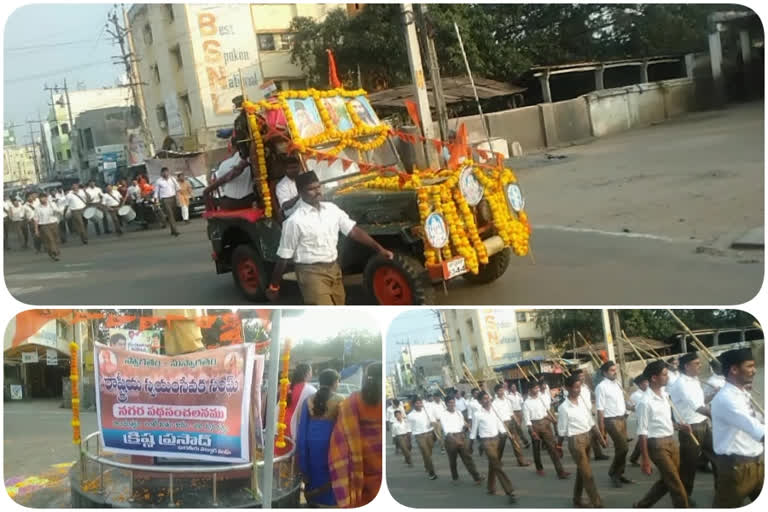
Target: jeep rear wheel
point(401, 281)
point(494, 269)
point(249, 272)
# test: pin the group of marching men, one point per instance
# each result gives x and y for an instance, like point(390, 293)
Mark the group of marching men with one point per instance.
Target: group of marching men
point(720, 427)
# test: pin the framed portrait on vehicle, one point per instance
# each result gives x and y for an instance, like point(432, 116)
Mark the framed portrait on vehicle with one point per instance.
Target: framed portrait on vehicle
point(337, 109)
point(362, 107)
point(307, 117)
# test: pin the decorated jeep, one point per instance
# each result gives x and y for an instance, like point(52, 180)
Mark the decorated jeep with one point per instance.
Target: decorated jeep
point(465, 218)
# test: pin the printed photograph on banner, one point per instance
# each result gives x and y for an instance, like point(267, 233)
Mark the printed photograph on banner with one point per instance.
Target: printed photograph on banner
point(592, 408)
point(517, 166)
point(192, 408)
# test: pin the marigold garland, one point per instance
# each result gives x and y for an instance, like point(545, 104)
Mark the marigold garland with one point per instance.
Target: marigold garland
point(74, 377)
point(285, 382)
point(257, 149)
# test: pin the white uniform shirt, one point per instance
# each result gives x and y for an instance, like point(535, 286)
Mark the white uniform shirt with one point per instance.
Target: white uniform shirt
point(16, 213)
point(609, 398)
point(134, 192)
point(573, 419)
point(400, 428)
point(434, 410)
point(636, 397)
point(93, 194)
point(735, 427)
point(533, 410)
point(673, 376)
point(239, 187)
point(285, 191)
point(452, 422)
point(76, 201)
point(716, 381)
point(546, 396)
point(461, 404)
point(688, 396)
point(47, 214)
point(473, 406)
point(503, 407)
point(29, 211)
point(654, 415)
point(166, 188)
point(109, 200)
point(311, 235)
point(485, 423)
point(515, 401)
point(419, 422)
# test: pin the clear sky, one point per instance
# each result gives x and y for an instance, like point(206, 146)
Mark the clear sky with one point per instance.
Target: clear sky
point(417, 326)
point(46, 44)
point(320, 324)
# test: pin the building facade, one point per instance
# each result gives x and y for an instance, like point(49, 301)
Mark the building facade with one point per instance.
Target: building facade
point(193, 59)
point(484, 339)
point(21, 164)
point(100, 141)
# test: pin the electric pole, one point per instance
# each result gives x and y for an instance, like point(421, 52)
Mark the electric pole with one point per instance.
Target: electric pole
point(417, 75)
point(608, 335)
point(34, 151)
point(121, 35)
point(47, 167)
point(434, 72)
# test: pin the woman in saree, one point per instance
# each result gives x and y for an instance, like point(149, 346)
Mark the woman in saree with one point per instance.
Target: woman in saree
point(300, 389)
point(313, 438)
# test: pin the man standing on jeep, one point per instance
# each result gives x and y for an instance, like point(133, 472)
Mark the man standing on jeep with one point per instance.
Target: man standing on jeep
point(310, 237)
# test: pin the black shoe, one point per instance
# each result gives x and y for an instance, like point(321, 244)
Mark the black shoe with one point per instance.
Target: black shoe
point(85, 242)
point(512, 499)
point(634, 462)
point(175, 233)
point(527, 445)
point(602, 457)
point(626, 480)
point(616, 482)
point(433, 477)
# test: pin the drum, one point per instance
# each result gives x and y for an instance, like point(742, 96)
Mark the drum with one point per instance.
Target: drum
point(126, 213)
point(93, 213)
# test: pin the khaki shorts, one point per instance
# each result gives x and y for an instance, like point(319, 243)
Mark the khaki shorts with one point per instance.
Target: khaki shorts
point(321, 284)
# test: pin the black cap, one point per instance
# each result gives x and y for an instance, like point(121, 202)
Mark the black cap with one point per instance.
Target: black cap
point(686, 358)
point(607, 366)
point(571, 380)
point(640, 378)
point(734, 357)
point(654, 368)
point(238, 100)
point(305, 179)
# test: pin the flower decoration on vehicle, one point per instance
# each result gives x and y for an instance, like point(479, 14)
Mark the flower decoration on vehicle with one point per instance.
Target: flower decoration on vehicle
point(283, 402)
point(258, 151)
point(74, 378)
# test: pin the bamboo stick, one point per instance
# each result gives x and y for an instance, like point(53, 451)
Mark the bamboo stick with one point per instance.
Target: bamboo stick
point(509, 434)
point(679, 416)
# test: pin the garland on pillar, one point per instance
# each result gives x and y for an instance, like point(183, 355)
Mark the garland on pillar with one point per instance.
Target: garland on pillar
point(285, 382)
point(74, 378)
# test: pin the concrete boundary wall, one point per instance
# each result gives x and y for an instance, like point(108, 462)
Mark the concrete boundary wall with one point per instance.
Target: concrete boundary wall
point(596, 114)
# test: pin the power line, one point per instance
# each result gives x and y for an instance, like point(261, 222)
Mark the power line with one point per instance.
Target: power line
point(48, 45)
point(53, 72)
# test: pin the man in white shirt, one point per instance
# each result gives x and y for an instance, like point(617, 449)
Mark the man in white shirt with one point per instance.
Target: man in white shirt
point(461, 405)
point(503, 408)
point(16, 222)
point(435, 408)
point(738, 434)
point(423, 433)
point(395, 405)
point(286, 191)
point(30, 206)
point(688, 397)
point(487, 426)
point(641, 381)
point(655, 430)
point(545, 393)
point(93, 195)
point(133, 194)
point(585, 395)
point(310, 238)
point(47, 227)
point(715, 382)
point(76, 201)
point(473, 405)
point(539, 420)
point(111, 200)
point(401, 433)
point(235, 182)
point(575, 422)
point(59, 199)
point(453, 424)
point(166, 188)
point(612, 419)
point(674, 370)
point(515, 399)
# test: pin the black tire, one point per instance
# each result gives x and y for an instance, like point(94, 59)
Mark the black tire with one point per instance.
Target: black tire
point(250, 273)
point(497, 265)
point(404, 278)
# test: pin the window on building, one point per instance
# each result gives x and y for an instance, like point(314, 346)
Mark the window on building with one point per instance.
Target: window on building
point(65, 128)
point(520, 317)
point(59, 156)
point(526, 345)
point(69, 154)
point(286, 41)
point(55, 131)
point(162, 117)
point(539, 344)
point(476, 356)
point(88, 136)
point(267, 42)
point(155, 70)
point(470, 325)
point(169, 12)
point(186, 113)
point(176, 53)
point(147, 31)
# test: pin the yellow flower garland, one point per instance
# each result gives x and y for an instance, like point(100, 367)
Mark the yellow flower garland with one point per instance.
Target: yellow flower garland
point(285, 382)
point(74, 377)
point(258, 149)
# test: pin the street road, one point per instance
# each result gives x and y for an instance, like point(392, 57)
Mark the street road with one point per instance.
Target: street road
point(411, 487)
point(643, 217)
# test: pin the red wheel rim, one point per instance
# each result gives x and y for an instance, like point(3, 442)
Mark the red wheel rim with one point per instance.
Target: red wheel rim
point(248, 275)
point(391, 287)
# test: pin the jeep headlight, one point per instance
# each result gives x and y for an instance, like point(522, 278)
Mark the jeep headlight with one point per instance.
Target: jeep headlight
point(515, 197)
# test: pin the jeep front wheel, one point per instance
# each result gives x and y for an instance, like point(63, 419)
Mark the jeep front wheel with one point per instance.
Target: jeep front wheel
point(250, 273)
point(401, 281)
point(494, 269)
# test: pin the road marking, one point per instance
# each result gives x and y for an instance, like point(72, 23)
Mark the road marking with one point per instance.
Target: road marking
point(646, 236)
point(47, 276)
point(23, 291)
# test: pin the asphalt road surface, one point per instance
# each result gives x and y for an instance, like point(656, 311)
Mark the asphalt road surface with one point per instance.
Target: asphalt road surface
point(643, 217)
point(411, 487)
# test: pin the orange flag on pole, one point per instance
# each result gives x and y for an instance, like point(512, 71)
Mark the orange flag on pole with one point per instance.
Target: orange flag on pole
point(459, 147)
point(413, 111)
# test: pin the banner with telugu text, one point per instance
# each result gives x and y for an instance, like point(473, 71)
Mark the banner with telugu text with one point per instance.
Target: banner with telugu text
point(192, 406)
